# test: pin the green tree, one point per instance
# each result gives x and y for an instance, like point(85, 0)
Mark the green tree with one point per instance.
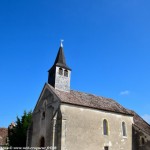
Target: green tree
point(18, 134)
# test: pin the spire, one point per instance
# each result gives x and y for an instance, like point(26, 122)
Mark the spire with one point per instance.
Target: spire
point(59, 74)
point(60, 59)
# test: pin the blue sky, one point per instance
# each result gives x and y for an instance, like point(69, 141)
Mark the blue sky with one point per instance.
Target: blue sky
point(106, 43)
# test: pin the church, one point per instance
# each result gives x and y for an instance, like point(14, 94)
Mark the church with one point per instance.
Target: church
point(64, 119)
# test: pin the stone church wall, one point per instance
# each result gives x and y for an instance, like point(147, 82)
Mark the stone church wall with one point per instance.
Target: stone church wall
point(41, 132)
point(141, 140)
point(82, 129)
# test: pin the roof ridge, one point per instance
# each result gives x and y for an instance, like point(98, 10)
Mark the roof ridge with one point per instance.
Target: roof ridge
point(134, 113)
point(92, 94)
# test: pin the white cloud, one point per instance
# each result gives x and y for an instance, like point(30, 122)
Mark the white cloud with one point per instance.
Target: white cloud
point(146, 117)
point(126, 92)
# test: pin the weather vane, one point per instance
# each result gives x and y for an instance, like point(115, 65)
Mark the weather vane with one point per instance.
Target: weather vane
point(61, 43)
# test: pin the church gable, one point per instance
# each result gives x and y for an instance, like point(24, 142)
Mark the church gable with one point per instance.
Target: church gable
point(47, 99)
point(42, 118)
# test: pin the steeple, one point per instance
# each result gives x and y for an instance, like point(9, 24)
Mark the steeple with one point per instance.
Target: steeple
point(60, 59)
point(60, 73)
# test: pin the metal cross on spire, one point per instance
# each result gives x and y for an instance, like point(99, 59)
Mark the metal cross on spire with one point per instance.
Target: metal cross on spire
point(61, 43)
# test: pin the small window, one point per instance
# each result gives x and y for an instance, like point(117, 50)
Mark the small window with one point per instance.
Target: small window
point(142, 141)
point(43, 110)
point(105, 127)
point(43, 115)
point(124, 129)
point(106, 148)
point(60, 71)
point(66, 73)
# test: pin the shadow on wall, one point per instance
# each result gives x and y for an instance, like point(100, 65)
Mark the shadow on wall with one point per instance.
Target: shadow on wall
point(58, 130)
point(140, 139)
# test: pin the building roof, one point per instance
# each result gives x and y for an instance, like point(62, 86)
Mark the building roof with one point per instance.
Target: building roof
point(100, 103)
point(140, 123)
point(60, 59)
point(3, 136)
point(90, 100)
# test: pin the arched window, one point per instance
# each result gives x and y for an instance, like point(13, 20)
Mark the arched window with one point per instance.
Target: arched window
point(142, 141)
point(44, 110)
point(124, 129)
point(60, 71)
point(42, 142)
point(66, 73)
point(105, 127)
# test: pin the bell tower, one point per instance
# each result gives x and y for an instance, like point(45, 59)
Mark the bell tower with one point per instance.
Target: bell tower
point(59, 74)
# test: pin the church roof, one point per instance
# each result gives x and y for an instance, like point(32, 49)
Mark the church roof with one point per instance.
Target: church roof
point(140, 123)
point(90, 100)
point(99, 103)
point(60, 59)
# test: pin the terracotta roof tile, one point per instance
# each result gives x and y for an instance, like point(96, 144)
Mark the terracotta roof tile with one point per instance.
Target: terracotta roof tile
point(3, 135)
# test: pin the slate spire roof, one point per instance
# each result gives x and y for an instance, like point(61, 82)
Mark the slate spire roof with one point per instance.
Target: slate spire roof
point(60, 59)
